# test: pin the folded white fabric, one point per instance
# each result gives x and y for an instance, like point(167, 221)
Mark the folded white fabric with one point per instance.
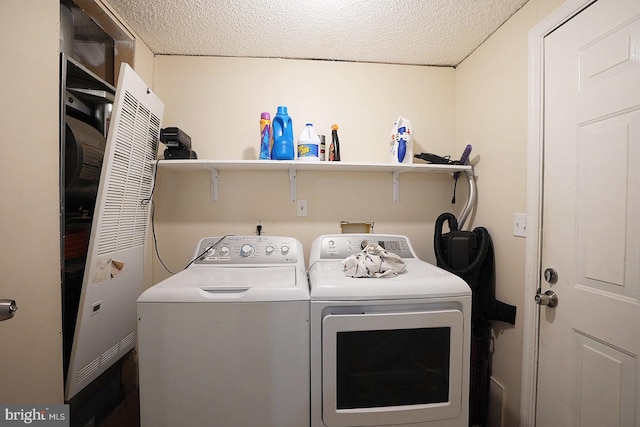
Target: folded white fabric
point(373, 261)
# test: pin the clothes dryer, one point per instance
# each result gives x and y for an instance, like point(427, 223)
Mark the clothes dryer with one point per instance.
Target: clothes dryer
point(225, 342)
point(391, 351)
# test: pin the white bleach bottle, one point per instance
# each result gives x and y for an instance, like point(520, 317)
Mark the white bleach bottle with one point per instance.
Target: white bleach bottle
point(308, 144)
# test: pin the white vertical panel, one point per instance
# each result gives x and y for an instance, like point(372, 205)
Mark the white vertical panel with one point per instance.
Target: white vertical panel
point(113, 278)
point(605, 383)
point(603, 197)
point(613, 54)
point(609, 187)
point(497, 404)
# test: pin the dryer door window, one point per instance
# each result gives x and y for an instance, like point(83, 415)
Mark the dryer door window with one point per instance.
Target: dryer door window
point(391, 368)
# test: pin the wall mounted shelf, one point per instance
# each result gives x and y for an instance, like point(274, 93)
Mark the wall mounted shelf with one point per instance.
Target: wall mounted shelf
point(292, 167)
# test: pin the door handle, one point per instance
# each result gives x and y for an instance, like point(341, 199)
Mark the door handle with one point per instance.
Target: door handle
point(549, 298)
point(8, 309)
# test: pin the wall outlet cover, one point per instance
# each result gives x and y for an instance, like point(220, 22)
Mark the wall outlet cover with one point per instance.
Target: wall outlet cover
point(520, 225)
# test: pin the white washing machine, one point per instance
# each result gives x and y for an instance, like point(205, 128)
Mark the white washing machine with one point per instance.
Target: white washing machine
point(387, 351)
point(225, 342)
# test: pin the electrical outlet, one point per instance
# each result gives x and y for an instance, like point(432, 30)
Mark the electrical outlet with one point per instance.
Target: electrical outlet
point(301, 209)
point(520, 225)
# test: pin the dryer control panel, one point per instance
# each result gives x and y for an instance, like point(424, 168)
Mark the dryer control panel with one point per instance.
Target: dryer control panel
point(341, 246)
point(247, 250)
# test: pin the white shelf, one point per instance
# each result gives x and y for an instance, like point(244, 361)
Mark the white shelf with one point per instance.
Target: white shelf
point(292, 167)
point(285, 165)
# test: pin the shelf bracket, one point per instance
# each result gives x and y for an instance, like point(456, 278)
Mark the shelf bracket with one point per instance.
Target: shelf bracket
point(293, 190)
point(471, 201)
point(214, 182)
point(395, 184)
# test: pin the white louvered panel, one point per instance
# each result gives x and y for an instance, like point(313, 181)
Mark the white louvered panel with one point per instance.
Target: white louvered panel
point(125, 221)
point(108, 355)
point(116, 186)
point(114, 272)
point(129, 340)
point(88, 370)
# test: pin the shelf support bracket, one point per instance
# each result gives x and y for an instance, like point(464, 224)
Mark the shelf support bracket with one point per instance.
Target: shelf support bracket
point(395, 184)
point(471, 201)
point(293, 190)
point(214, 182)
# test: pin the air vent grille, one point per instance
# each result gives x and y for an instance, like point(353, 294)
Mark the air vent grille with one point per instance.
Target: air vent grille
point(124, 222)
point(87, 371)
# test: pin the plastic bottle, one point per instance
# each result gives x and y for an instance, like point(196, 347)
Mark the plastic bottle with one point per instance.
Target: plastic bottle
point(282, 136)
point(308, 144)
point(402, 141)
point(334, 148)
point(266, 136)
point(322, 153)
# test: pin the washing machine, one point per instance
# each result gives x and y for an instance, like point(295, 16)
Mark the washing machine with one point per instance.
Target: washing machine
point(391, 351)
point(225, 342)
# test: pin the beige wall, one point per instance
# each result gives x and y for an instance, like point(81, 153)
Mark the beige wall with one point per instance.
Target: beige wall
point(143, 62)
point(218, 102)
point(31, 355)
point(491, 114)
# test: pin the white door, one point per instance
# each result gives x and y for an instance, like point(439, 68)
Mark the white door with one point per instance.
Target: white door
point(589, 349)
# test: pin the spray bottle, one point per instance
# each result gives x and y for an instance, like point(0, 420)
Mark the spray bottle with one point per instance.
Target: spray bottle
point(402, 141)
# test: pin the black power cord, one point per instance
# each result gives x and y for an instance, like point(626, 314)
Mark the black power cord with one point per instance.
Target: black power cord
point(149, 201)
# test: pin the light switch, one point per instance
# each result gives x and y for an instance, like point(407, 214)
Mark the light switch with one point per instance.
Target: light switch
point(520, 225)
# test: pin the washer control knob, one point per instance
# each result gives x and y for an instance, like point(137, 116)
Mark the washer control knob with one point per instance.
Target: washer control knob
point(246, 250)
point(284, 249)
point(269, 250)
point(224, 251)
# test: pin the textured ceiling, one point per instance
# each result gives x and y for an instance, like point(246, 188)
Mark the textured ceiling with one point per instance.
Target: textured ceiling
point(419, 32)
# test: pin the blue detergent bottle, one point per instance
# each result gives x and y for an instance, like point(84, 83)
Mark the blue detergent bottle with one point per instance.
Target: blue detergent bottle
point(283, 148)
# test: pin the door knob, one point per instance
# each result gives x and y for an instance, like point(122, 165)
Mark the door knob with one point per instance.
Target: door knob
point(8, 308)
point(549, 298)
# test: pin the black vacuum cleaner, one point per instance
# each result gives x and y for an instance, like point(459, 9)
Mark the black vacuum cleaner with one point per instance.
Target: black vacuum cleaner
point(469, 255)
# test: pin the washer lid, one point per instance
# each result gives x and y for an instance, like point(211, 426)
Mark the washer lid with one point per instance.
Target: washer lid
point(421, 280)
point(246, 277)
point(211, 284)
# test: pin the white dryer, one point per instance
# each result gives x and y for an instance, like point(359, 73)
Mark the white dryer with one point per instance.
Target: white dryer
point(225, 342)
point(387, 351)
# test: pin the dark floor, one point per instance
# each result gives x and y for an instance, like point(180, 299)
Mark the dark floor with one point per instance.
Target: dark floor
point(127, 414)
